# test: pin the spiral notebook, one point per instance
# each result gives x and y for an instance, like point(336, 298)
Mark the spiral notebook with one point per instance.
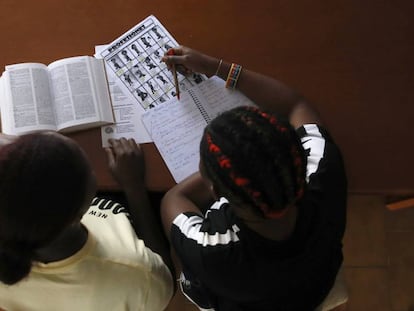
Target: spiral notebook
point(176, 126)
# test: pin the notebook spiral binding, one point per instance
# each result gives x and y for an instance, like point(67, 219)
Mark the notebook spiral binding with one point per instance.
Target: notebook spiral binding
point(199, 106)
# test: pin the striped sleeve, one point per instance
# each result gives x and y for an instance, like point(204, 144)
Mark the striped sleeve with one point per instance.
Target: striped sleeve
point(326, 176)
point(196, 238)
point(313, 141)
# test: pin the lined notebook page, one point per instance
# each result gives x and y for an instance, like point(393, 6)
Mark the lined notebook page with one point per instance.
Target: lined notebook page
point(218, 98)
point(176, 126)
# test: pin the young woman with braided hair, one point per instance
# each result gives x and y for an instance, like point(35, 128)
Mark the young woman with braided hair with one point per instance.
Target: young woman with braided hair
point(63, 249)
point(260, 226)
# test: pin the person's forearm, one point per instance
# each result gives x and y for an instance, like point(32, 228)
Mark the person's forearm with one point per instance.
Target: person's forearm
point(264, 91)
point(195, 189)
point(146, 223)
point(190, 195)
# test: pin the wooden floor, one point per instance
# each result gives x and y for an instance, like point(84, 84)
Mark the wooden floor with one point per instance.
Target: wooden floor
point(379, 258)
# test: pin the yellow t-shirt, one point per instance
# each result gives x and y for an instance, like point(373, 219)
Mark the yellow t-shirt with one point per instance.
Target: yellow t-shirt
point(113, 271)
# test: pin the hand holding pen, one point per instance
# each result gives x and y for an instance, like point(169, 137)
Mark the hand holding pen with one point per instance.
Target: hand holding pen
point(174, 72)
point(187, 61)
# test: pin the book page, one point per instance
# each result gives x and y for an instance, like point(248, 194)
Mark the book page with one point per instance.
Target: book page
point(28, 102)
point(176, 128)
point(100, 83)
point(73, 90)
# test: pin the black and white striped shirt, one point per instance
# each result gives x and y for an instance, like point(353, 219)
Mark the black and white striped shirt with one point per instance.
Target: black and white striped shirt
point(237, 269)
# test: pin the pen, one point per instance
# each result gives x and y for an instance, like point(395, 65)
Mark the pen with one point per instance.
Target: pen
point(174, 71)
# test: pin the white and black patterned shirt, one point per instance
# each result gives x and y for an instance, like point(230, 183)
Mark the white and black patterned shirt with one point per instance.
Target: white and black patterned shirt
point(230, 267)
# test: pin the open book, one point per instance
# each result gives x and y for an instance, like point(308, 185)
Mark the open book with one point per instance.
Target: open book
point(176, 126)
point(68, 95)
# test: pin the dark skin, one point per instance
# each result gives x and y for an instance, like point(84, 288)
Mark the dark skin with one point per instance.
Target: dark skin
point(126, 162)
point(6, 139)
point(70, 241)
point(197, 192)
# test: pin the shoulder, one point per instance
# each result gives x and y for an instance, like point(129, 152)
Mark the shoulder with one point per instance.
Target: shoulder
point(314, 130)
point(140, 278)
point(116, 240)
point(205, 244)
point(322, 153)
point(120, 255)
point(108, 220)
point(217, 219)
point(326, 179)
point(217, 228)
point(106, 210)
point(113, 281)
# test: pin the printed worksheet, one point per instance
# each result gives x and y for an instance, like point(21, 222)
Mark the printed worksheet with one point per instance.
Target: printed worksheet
point(135, 59)
point(127, 113)
point(138, 80)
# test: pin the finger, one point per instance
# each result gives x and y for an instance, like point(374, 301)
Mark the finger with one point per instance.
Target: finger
point(122, 145)
point(110, 155)
point(179, 66)
point(124, 142)
point(132, 140)
point(6, 139)
point(133, 146)
point(117, 146)
point(132, 143)
point(137, 148)
point(173, 59)
point(175, 51)
point(113, 142)
point(183, 70)
point(7, 136)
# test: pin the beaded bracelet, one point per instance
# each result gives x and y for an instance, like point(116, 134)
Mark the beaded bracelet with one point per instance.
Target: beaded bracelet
point(233, 76)
point(218, 67)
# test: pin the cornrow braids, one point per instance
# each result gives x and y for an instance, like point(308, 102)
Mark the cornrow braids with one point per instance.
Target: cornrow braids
point(256, 157)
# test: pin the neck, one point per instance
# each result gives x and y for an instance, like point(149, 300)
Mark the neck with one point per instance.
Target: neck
point(274, 229)
point(70, 241)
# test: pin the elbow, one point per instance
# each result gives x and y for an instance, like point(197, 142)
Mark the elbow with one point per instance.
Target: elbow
point(168, 210)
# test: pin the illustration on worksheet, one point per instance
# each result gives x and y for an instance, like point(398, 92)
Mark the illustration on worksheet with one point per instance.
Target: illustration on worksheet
point(135, 58)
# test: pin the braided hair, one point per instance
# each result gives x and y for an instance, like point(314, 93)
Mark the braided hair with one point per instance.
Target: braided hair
point(43, 186)
point(254, 157)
